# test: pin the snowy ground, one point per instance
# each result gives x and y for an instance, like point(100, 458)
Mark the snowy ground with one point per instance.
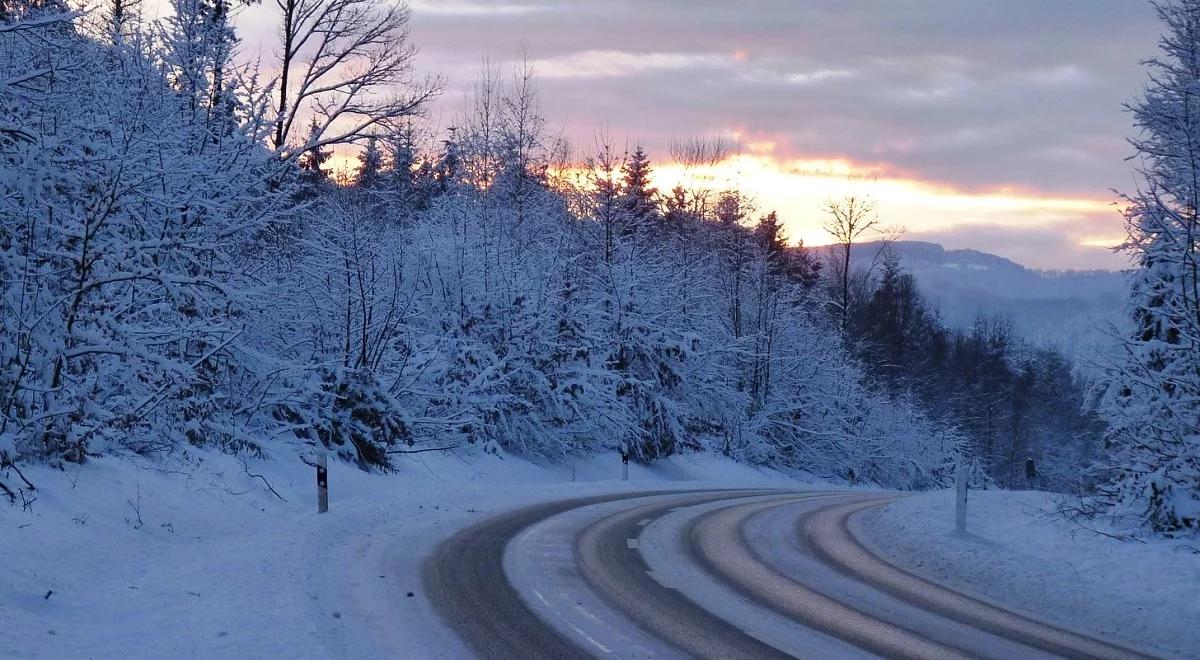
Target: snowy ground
point(1016, 554)
point(197, 559)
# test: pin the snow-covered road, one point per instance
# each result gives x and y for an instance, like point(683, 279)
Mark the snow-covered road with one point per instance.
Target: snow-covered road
point(198, 559)
point(715, 574)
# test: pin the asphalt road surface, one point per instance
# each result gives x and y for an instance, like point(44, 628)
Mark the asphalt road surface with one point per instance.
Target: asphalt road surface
point(713, 574)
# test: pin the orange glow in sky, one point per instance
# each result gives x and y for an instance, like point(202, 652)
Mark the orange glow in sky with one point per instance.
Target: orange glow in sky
point(798, 189)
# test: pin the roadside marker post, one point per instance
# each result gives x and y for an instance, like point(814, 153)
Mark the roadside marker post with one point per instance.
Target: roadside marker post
point(624, 466)
point(960, 499)
point(322, 465)
point(322, 483)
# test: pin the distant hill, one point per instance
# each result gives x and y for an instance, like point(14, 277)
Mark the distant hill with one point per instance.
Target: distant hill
point(1070, 310)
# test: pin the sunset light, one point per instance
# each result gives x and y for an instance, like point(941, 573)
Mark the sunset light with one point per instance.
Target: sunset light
point(798, 190)
point(566, 329)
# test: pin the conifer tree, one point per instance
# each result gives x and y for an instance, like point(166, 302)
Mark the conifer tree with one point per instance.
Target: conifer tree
point(1154, 395)
point(402, 174)
point(312, 162)
point(894, 323)
point(676, 210)
point(222, 42)
point(638, 196)
point(370, 169)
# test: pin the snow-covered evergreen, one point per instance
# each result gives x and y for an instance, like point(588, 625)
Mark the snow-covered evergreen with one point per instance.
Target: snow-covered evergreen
point(1153, 399)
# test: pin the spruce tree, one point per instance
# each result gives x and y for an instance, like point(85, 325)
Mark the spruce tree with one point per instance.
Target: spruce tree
point(312, 161)
point(1154, 395)
point(893, 325)
point(370, 169)
point(638, 196)
point(403, 154)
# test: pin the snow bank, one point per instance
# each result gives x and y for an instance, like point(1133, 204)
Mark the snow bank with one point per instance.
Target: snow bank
point(1017, 554)
point(194, 557)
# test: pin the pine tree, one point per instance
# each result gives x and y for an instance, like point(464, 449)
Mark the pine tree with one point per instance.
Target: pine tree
point(894, 324)
point(605, 204)
point(1154, 396)
point(402, 174)
point(676, 210)
point(312, 161)
point(370, 169)
point(449, 162)
point(638, 196)
point(222, 42)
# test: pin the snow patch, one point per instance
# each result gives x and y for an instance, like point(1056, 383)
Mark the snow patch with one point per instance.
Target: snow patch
point(1018, 554)
point(194, 557)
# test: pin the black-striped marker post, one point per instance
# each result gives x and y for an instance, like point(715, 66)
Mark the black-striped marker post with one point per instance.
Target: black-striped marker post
point(322, 483)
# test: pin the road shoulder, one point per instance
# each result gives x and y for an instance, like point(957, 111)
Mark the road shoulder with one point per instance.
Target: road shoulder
point(1017, 556)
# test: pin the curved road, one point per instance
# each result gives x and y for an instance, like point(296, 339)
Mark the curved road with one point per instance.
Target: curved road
point(713, 574)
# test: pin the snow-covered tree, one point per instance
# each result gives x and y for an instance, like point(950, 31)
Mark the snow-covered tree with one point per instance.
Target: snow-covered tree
point(313, 161)
point(346, 303)
point(638, 194)
point(410, 179)
point(124, 291)
point(197, 48)
point(1153, 400)
point(176, 267)
point(370, 167)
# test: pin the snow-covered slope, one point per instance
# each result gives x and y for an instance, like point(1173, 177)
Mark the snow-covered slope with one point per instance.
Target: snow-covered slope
point(195, 558)
point(1017, 551)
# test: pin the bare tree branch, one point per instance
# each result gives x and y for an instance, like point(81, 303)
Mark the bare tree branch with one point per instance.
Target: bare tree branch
point(350, 63)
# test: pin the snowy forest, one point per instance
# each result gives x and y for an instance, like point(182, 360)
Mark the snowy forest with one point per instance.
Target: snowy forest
point(178, 268)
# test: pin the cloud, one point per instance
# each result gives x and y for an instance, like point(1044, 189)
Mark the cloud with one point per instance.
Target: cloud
point(459, 8)
point(972, 95)
point(811, 77)
point(611, 63)
point(1064, 75)
point(1027, 75)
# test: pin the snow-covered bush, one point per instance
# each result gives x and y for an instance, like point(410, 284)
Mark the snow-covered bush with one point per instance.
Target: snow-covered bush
point(124, 208)
point(172, 272)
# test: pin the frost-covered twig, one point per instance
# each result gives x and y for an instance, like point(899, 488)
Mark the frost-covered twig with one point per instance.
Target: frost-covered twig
point(421, 451)
point(11, 465)
point(246, 468)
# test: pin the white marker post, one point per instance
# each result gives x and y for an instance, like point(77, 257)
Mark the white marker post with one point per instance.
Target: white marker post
point(322, 483)
point(960, 499)
point(624, 466)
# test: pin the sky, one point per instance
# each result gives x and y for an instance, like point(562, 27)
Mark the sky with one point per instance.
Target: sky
point(974, 123)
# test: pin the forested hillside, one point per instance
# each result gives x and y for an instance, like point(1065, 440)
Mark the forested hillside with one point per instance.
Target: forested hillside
point(1076, 312)
point(178, 269)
